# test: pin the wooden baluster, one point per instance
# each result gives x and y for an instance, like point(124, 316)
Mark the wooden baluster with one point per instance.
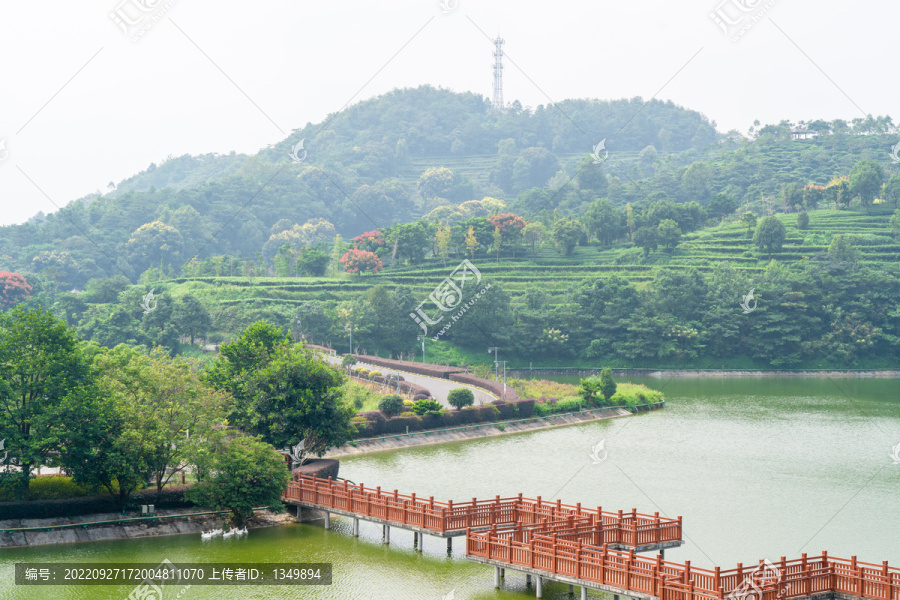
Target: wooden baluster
point(578, 559)
point(717, 583)
point(887, 581)
point(450, 512)
point(656, 527)
point(531, 553)
point(554, 553)
point(603, 563)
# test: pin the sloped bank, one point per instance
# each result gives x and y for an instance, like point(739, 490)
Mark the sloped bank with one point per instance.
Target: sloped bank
point(456, 434)
point(117, 526)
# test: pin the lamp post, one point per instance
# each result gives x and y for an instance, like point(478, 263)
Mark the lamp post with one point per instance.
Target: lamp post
point(421, 338)
point(349, 326)
point(494, 350)
point(299, 327)
point(504, 379)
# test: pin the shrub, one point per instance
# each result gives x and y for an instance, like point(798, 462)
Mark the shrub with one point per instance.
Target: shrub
point(407, 403)
point(420, 407)
point(607, 385)
point(374, 374)
point(460, 398)
point(418, 397)
point(391, 405)
point(407, 413)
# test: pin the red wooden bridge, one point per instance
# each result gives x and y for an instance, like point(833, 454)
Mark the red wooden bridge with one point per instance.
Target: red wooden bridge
point(591, 548)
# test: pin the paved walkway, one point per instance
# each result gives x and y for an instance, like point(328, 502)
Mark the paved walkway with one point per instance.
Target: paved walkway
point(439, 388)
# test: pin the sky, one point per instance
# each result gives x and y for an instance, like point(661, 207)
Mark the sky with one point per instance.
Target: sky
point(83, 103)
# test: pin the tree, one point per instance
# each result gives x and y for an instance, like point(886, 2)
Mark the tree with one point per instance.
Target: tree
point(749, 219)
point(41, 367)
point(895, 224)
point(348, 361)
point(533, 167)
point(152, 244)
point(647, 238)
point(460, 398)
point(338, 247)
point(471, 242)
point(436, 181)
point(722, 205)
point(590, 387)
point(361, 261)
point(566, 233)
point(629, 221)
point(669, 234)
point(842, 250)
point(245, 473)
point(297, 396)
point(802, 220)
point(695, 181)
point(313, 261)
point(892, 189)
point(604, 220)
point(166, 402)
point(420, 407)
point(498, 242)
point(534, 234)
point(442, 242)
point(14, 289)
point(191, 317)
point(770, 235)
point(607, 384)
point(866, 179)
point(391, 405)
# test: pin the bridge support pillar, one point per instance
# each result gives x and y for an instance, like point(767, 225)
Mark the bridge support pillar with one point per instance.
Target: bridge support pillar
point(327, 520)
point(299, 513)
point(502, 573)
point(496, 577)
point(416, 540)
point(539, 587)
point(386, 529)
point(355, 527)
point(583, 593)
point(527, 579)
point(662, 553)
point(449, 544)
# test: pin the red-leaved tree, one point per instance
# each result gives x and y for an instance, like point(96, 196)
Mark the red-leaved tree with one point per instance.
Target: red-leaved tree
point(361, 261)
point(13, 290)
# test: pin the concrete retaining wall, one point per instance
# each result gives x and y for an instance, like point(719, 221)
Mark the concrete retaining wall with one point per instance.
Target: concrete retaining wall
point(665, 374)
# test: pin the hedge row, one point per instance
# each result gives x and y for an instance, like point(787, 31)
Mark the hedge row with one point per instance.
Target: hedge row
point(373, 423)
point(171, 497)
point(493, 387)
point(406, 387)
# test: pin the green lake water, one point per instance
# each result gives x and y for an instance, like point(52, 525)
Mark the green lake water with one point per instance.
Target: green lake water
point(756, 467)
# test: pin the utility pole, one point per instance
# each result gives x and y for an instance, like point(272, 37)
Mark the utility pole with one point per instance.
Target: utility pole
point(422, 339)
point(504, 379)
point(350, 327)
point(494, 350)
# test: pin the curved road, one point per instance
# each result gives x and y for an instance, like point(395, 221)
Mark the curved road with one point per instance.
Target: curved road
point(439, 388)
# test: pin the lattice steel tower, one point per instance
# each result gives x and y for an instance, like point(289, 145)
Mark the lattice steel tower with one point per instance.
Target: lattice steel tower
point(498, 73)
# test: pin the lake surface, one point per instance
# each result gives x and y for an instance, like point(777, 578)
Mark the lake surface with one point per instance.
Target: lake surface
point(758, 468)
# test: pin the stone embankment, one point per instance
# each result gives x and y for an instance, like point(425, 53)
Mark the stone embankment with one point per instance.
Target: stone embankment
point(441, 436)
point(667, 373)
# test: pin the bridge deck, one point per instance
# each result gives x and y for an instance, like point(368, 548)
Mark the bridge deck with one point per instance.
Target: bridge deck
point(570, 555)
point(446, 519)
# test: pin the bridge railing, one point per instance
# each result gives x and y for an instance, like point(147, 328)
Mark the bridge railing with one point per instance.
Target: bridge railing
point(627, 528)
point(576, 553)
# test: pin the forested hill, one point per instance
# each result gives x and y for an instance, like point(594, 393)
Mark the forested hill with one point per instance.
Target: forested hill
point(362, 170)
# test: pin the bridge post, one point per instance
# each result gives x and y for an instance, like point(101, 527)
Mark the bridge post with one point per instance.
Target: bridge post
point(355, 527)
point(571, 589)
point(662, 553)
point(496, 577)
point(502, 573)
point(539, 587)
point(299, 513)
point(416, 540)
point(449, 544)
point(386, 529)
point(327, 520)
point(527, 579)
point(583, 593)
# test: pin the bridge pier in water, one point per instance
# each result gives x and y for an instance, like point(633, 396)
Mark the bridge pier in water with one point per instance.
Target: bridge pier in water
point(355, 527)
point(327, 520)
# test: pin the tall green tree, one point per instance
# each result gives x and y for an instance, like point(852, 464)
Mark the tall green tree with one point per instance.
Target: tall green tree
point(866, 179)
point(41, 367)
point(566, 233)
point(191, 317)
point(245, 473)
point(770, 235)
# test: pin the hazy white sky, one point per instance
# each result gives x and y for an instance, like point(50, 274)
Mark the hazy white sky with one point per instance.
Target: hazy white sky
point(81, 104)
